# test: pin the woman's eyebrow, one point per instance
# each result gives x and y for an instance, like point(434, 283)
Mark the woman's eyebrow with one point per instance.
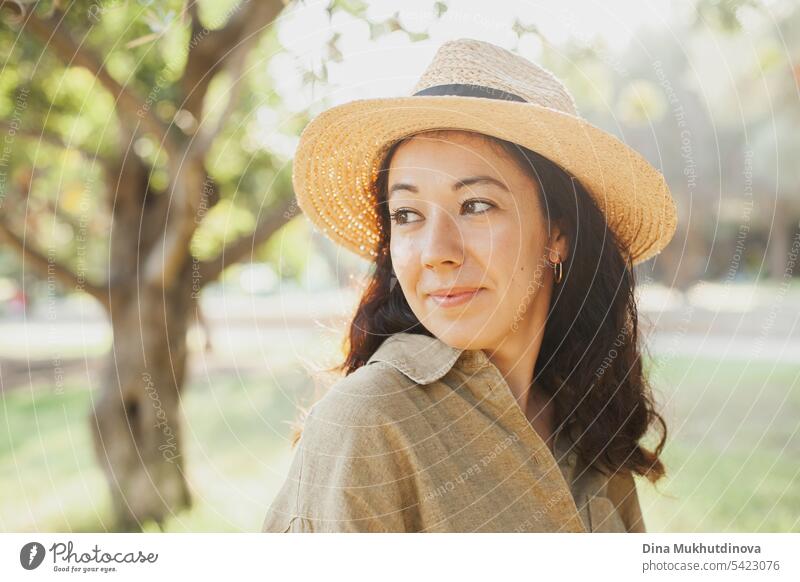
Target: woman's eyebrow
point(478, 180)
point(463, 182)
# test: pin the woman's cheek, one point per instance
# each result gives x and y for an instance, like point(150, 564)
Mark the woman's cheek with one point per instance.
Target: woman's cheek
point(511, 262)
point(499, 247)
point(402, 252)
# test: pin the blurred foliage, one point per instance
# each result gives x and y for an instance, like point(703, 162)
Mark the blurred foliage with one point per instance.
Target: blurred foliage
point(728, 71)
point(144, 46)
point(289, 250)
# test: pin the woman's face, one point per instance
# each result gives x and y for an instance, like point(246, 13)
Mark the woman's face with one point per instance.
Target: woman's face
point(465, 217)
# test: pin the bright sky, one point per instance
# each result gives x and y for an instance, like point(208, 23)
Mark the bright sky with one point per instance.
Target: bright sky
point(391, 65)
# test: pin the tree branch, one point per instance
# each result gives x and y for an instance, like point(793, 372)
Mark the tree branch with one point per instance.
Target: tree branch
point(54, 37)
point(52, 139)
point(246, 245)
point(211, 51)
point(48, 266)
point(190, 186)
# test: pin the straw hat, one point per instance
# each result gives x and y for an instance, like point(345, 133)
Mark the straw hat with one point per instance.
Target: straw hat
point(475, 86)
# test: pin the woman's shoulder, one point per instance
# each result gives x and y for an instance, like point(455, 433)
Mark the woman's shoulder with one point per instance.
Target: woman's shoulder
point(352, 471)
point(395, 380)
point(373, 392)
point(363, 408)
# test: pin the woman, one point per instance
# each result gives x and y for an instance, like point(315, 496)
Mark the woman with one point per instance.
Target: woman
point(493, 379)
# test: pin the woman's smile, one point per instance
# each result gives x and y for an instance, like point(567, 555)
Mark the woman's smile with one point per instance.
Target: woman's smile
point(445, 299)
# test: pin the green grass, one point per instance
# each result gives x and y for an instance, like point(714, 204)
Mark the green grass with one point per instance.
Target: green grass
point(236, 441)
point(733, 452)
point(732, 456)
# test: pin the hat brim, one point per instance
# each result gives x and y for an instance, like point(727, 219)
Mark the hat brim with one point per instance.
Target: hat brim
point(340, 152)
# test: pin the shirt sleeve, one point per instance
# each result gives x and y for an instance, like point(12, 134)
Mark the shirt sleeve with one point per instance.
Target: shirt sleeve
point(622, 493)
point(350, 473)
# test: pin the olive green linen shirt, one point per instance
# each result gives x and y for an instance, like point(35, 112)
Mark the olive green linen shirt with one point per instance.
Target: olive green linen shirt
point(429, 438)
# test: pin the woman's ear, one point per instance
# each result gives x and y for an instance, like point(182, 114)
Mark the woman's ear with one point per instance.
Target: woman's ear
point(559, 241)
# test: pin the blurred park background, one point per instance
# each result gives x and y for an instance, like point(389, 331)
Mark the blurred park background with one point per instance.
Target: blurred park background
point(166, 311)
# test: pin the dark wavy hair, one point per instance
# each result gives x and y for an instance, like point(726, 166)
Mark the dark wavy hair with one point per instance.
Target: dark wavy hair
point(589, 360)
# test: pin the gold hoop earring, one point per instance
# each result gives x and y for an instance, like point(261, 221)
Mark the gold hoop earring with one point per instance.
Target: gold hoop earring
point(558, 269)
point(560, 274)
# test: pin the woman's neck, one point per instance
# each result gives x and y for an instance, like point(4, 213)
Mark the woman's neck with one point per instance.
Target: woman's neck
point(516, 362)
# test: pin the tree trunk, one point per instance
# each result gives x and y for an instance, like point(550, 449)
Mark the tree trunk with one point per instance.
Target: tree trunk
point(136, 422)
point(153, 283)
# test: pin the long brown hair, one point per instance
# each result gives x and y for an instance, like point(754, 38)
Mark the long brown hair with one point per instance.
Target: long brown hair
point(589, 360)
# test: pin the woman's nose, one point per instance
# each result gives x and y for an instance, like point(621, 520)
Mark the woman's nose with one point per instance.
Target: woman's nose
point(443, 241)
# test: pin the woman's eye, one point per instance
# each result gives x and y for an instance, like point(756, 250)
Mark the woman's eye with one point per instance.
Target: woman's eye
point(400, 216)
point(477, 206)
point(405, 215)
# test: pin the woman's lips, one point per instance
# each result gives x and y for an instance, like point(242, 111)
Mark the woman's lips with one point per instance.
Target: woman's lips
point(455, 299)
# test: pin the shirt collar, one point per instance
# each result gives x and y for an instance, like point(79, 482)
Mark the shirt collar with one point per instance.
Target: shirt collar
point(424, 359)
